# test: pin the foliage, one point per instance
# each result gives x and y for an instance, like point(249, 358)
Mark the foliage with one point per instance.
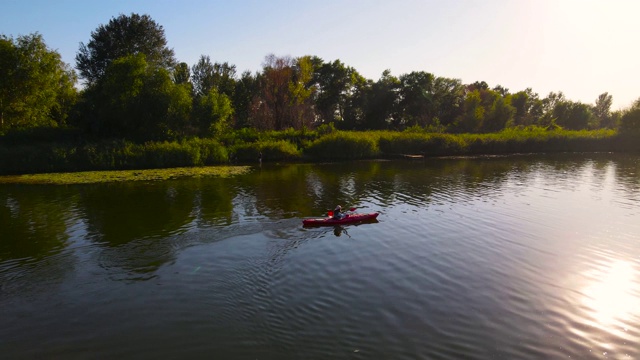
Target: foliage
point(123, 36)
point(138, 101)
point(36, 87)
point(344, 145)
point(572, 115)
point(382, 106)
point(395, 143)
point(283, 98)
point(417, 101)
point(630, 121)
point(602, 111)
point(207, 76)
point(212, 113)
point(245, 89)
point(267, 150)
point(136, 90)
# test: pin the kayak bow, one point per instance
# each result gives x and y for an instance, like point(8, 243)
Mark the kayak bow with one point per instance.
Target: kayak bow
point(348, 219)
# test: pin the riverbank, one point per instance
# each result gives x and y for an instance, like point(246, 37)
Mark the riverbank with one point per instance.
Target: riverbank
point(249, 146)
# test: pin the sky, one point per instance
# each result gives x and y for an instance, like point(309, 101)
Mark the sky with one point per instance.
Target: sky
point(580, 47)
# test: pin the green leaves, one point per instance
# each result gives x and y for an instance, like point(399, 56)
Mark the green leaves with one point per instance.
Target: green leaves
point(123, 36)
point(36, 87)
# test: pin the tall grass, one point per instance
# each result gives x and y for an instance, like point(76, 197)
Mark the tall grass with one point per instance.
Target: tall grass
point(343, 145)
point(19, 156)
point(267, 150)
point(395, 143)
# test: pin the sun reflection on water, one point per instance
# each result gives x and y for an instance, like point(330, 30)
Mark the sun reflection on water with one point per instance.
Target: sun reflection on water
point(613, 297)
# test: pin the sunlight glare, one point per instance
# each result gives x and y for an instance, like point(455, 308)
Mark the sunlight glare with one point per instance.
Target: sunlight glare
point(613, 297)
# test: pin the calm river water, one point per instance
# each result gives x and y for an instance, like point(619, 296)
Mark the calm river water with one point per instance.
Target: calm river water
point(519, 257)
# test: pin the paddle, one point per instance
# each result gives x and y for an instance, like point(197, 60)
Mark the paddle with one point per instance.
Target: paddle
point(330, 212)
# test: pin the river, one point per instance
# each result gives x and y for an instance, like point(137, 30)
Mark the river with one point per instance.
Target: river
point(513, 257)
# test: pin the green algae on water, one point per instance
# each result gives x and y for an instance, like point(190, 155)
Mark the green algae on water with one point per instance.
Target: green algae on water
point(92, 177)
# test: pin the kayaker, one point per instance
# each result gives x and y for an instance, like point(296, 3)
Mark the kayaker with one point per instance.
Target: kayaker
point(337, 213)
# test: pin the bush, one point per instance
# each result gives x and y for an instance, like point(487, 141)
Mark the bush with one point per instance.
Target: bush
point(270, 150)
point(344, 145)
point(421, 143)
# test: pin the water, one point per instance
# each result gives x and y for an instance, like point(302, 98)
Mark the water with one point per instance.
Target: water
point(519, 257)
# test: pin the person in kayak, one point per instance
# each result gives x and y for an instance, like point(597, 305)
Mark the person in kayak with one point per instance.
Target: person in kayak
point(337, 213)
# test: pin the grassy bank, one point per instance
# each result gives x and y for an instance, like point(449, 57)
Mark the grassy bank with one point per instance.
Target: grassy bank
point(325, 144)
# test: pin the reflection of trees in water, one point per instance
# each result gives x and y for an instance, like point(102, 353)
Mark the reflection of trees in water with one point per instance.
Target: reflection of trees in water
point(136, 221)
point(627, 171)
point(214, 201)
point(34, 221)
point(135, 224)
point(118, 213)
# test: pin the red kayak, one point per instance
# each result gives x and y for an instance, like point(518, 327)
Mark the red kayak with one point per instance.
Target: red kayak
point(348, 219)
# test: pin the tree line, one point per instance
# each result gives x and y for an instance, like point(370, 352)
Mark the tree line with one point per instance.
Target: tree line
point(135, 88)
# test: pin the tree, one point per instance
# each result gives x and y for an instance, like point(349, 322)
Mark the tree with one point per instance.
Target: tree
point(499, 114)
point(207, 76)
point(181, 73)
point(528, 107)
point(36, 87)
point(572, 115)
point(548, 116)
point(448, 95)
point(213, 113)
point(383, 102)
point(630, 120)
point(284, 93)
point(473, 113)
point(333, 83)
point(137, 100)
point(602, 110)
point(123, 36)
point(243, 94)
point(417, 98)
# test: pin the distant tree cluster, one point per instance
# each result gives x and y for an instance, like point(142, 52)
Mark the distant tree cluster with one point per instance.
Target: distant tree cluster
point(135, 88)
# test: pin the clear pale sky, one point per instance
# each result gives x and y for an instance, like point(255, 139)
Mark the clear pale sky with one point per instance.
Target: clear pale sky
point(580, 47)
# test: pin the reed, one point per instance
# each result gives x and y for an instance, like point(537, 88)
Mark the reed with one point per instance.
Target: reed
point(402, 143)
point(19, 156)
point(344, 145)
point(267, 150)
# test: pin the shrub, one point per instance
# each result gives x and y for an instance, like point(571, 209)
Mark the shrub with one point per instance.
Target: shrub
point(344, 145)
point(421, 143)
point(271, 151)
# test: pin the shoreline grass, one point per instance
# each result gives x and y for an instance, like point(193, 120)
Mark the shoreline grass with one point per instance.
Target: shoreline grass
point(248, 147)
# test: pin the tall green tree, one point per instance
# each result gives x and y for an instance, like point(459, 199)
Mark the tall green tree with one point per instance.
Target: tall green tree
point(573, 115)
point(602, 111)
point(548, 116)
point(417, 103)
point(181, 73)
point(208, 75)
point(449, 96)
point(499, 114)
point(528, 107)
point(246, 89)
point(122, 36)
point(36, 87)
point(213, 113)
point(138, 101)
point(383, 99)
point(473, 113)
point(333, 82)
point(630, 120)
